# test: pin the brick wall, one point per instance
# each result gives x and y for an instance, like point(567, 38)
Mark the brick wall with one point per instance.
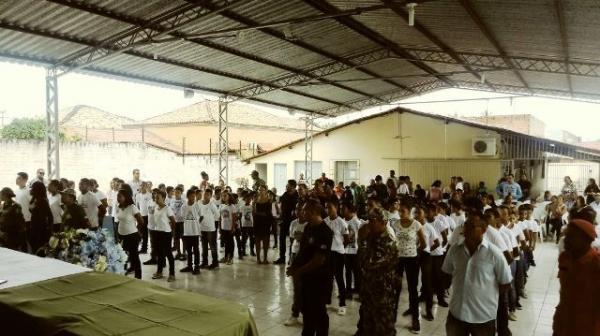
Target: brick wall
point(103, 161)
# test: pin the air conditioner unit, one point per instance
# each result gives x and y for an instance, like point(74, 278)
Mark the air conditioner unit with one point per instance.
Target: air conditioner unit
point(483, 147)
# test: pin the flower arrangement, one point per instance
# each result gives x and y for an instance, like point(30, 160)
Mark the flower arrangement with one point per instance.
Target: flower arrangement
point(91, 249)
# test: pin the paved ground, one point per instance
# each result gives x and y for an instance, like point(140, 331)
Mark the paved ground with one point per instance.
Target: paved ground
point(268, 294)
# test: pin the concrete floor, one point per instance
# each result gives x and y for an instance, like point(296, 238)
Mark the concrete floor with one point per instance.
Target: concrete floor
point(268, 294)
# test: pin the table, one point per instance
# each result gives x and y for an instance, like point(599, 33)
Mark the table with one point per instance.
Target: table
point(90, 303)
point(22, 268)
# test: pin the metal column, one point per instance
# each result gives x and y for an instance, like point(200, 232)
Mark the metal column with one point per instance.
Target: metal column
point(52, 134)
point(223, 141)
point(308, 148)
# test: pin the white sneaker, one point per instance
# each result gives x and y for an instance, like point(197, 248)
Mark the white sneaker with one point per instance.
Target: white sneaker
point(292, 321)
point(342, 311)
point(512, 316)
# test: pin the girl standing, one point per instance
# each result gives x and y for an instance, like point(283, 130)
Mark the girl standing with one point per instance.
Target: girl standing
point(164, 223)
point(130, 221)
point(263, 220)
point(41, 217)
point(228, 226)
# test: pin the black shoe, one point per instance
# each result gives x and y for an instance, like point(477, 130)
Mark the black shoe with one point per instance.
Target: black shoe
point(150, 262)
point(415, 328)
point(532, 263)
point(442, 303)
point(279, 262)
point(213, 266)
point(518, 306)
point(182, 257)
point(204, 266)
point(428, 316)
point(129, 271)
point(143, 251)
point(407, 312)
point(186, 269)
point(196, 270)
point(252, 253)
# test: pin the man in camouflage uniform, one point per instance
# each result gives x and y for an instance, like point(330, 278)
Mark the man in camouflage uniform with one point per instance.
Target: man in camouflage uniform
point(257, 181)
point(12, 223)
point(378, 260)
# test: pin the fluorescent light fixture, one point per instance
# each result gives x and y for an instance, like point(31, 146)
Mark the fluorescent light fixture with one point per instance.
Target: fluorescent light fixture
point(411, 13)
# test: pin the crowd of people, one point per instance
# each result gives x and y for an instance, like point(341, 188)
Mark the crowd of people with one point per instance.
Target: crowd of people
point(472, 245)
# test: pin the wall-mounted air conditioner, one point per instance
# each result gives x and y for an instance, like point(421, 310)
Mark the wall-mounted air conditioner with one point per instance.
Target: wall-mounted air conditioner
point(483, 146)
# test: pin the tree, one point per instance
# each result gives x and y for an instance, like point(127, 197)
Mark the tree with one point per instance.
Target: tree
point(26, 129)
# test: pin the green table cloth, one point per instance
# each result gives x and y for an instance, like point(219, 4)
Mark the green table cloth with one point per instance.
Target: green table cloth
point(108, 304)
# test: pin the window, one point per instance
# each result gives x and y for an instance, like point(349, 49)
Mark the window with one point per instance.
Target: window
point(346, 171)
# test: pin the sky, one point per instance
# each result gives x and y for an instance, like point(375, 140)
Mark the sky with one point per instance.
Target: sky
point(22, 94)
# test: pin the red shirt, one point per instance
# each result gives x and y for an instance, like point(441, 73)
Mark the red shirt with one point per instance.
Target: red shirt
point(578, 312)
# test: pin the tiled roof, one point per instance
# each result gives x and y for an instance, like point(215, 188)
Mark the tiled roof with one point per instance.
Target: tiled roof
point(91, 117)
point(590, 144)
point(207, 112)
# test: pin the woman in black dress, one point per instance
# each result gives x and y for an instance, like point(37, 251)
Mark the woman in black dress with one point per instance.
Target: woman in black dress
point(41, 217)
point(263, 221)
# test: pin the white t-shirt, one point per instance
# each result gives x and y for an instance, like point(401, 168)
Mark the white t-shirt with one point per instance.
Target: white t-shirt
point(210, 213)
point(532, 225)
point(111, 199)
point(23, 197)
point(509, 238)
point(135, 186)
point(141, 201)
point(459, 219)
point(99, 195)
point(176, 205)
point(407, 238)
point(90, 204)
point(493, 236)
point(403, 189)
point(440, 226)
point(352, 246)
point(162, 218)
point(296, 230)
point(339, 228)
point(57, 211)
point(227, 212)
point(450, 222)
point(127, 221)
point(191, 219)
point(150, 208)
point(431, 235)
point(246, 212)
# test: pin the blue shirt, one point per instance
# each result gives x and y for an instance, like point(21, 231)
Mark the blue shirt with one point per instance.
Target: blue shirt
point(475, 281)
point(513, 189)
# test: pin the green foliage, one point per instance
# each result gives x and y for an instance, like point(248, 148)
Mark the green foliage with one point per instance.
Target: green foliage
point(26, 129)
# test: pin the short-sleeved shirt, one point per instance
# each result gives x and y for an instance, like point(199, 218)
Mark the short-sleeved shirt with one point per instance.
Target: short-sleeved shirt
point(54, 201)
point(508, 237)
point(296, 230)
point(227, 213)
point(475, 281)
point(339, 228)
point(141, 201)
point(210, 213)
point(191, 219)
point(532, 225)
point(127, 221)
point(493, 236)
point(407, 238)
point(353, 225)
point(316, 239)
point(150, 207)
point(90, 203)
point(247, 219)
point(23, 197)
point(162, 218)
point(431, 236)
point(176, 205)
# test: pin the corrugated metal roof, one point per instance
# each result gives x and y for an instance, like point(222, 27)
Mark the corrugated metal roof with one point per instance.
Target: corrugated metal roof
point(49, 31)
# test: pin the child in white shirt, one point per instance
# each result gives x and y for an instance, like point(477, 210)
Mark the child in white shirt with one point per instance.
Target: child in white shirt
point(296, 229)
point(338, 251)
point(192, 216)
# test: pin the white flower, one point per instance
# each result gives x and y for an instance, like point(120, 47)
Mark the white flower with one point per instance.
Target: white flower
point(53, 242)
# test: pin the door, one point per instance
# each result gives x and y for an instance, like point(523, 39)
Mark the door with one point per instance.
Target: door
point(317, 169)
point(346, 171)
point(280, 177)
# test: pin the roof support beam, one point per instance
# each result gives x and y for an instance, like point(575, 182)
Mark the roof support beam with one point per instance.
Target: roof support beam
point(401, 12)
point(97, 10)
point(49, 34)
point(372, 35)
point(491, 37)
point(564, 37)
point(128, 39)
point(389, 97)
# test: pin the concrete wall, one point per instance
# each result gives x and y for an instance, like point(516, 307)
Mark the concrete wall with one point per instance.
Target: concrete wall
point(104, 161)
point(388, 142)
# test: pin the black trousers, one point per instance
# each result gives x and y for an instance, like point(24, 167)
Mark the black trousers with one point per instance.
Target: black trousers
point(247, 234)
point(337, 264)
point(313, 306)
point(116, 230)
point(178, 237)
point(437, 277)
point(502, 316)
point(426, 279)
point(238, 242)
point(352, 273)
point(190, 243)
point(410, 265)
point(153, 247)
point(227, 236)
point(130, 245)
point(209, 238)
point(163, 246)
point(284, 232)
point(456, 327)
point(144, 232)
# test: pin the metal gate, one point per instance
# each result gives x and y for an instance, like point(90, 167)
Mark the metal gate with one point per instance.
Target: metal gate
point(578, 171)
